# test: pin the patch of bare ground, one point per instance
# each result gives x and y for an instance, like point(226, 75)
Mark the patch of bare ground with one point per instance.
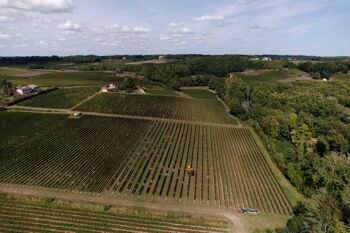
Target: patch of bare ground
point(183, 95)
point(140, 91)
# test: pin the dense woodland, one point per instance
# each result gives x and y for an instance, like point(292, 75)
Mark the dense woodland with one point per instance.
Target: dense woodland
point(306, 126)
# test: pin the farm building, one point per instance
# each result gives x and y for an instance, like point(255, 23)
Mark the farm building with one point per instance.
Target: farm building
point(27, 89)
point(266, 59)
point(108, 88)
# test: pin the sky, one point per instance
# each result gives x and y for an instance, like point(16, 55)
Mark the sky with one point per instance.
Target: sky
point(109, 27)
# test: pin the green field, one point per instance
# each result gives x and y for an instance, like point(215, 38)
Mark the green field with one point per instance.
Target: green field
point(166, 92)
point(4, 71)
point(63, 79)
point(344, 78)
point(60, 98)
point(199, 93)
point(263, 76)
point(28, 214)
point(139, 158)
point(158, 106)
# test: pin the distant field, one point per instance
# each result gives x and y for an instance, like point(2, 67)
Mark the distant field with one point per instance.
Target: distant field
point(158, 106)
point(60, 98)
point(345, 78)
point(63, 79)
point(284, 75)
point(153, 61)
point(33, 215)
point(263, 76)
point(139, 158)
point(199, 93)
point(160, 92)
point(4, 71)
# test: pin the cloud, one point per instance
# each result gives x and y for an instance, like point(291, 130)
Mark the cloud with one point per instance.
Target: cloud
point(183, 30)
point(255, 26)
point(23, 45)
point(126, 29)
point(42, 6)
point(6, 19)
point(4, 36)
point(174, 25)
point(209, 18)
point(141, 30)
point(69, 26)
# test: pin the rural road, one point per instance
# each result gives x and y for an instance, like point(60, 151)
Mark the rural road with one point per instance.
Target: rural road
point(117, 200)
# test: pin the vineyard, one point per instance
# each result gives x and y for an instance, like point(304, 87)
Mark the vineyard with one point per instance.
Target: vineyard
point(33, 216)
point(158, 106)
point(61, 98)
point(199, 93)
point(141, 157)
point(230, 171)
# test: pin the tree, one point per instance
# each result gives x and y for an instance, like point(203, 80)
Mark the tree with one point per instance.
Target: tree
point(6, 88)
point(321, 214)
point(326, 74)
point(322, 146)
point(174, 84)
point(274, 129)
point(299, 138)
point(128, 85)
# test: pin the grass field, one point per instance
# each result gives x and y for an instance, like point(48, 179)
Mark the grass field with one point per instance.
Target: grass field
point(344, 78)
point(158, 106)
point(4, 71)
point(199, 93)
point(63, 79)
point(60, 98)
point(28, 214)
point(139, 158)
point(263, 76)
point(160, 92)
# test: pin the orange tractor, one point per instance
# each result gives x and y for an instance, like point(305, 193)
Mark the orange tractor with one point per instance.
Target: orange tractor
point(190, 170)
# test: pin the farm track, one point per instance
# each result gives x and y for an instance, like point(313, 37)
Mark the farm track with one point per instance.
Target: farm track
point(85, 100)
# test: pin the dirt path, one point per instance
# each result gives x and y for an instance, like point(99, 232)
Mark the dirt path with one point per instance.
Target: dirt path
point(69, 111)
point(232, 217)
point(87, 99)
point(183, 95)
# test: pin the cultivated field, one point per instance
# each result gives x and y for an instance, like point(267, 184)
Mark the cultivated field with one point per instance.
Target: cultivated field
point(60, 98)
point(145, 158)
point(161, 92)
point(17, 215)
point(199, 93)
point(158, 106)
point(283, 75)
point(11, 71)
point(63, 79)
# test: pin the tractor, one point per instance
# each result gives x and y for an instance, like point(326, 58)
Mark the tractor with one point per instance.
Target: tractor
point(190, 170)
